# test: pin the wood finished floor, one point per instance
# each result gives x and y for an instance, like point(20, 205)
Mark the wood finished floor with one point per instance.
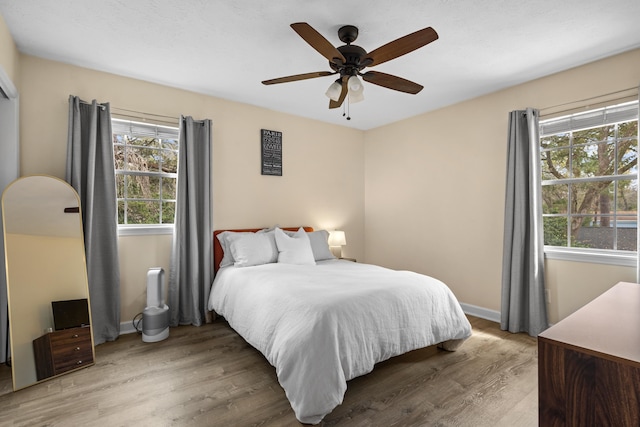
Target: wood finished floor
point(209, 376)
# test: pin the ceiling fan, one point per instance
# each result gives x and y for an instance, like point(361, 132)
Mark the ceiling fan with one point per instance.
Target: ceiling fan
point(349, 60)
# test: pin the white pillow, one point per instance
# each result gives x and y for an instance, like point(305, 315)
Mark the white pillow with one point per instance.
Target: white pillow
point(295, 249)
point(227, 257)
point(320, 245)
point(223, 238)
point(253, 248)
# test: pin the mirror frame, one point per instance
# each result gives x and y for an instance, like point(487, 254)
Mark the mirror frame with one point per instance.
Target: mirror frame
point(33, 210)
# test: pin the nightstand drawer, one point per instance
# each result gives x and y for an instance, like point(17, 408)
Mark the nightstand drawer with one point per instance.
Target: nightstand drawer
point(62, 351)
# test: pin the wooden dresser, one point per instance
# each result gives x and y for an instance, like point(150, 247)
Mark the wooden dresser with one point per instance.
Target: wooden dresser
point(589, 363)
point(62, 351)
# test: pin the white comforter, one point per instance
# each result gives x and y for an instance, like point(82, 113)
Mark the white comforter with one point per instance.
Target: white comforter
point(323, 325)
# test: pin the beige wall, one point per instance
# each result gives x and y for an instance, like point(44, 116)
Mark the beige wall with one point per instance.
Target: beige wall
point(8, 53)
point(573, 284)
point(322, 183)
point(434, 189)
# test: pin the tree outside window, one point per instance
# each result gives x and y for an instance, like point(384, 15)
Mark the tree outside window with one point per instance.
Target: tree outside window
point(146, 163)
point(590, 180)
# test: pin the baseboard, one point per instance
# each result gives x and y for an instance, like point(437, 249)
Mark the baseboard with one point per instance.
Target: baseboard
point(127, 328)
point(481, 312)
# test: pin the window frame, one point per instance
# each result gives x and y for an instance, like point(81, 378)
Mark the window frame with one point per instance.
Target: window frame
point(155, 131)
point(572, 123)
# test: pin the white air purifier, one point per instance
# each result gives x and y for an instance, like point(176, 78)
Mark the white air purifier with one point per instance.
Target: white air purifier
point(155, 317)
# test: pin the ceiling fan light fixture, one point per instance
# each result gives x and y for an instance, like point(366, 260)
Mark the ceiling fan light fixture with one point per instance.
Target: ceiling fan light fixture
point(356, 90)
point(334, 91)
point(355, 97)
point(355, 85)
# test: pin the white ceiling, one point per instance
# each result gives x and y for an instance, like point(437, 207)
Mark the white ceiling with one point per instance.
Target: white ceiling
point(226, 48)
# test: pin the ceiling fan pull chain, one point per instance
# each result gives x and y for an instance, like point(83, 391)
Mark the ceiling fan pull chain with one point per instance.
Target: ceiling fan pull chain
point(348, 108)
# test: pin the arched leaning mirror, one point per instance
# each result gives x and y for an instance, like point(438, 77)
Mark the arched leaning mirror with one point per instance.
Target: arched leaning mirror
point(48, 295)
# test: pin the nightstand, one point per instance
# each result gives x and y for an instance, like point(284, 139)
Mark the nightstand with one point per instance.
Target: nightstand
point(62, 351)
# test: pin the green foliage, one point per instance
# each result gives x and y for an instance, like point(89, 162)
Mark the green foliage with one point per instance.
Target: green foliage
point(602, 152)
point(146, 179)
point(555, 231)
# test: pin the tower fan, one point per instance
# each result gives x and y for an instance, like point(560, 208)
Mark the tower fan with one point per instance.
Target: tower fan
point(155, 317)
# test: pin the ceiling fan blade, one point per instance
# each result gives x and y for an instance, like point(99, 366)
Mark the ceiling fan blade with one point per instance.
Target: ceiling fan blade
point(343, 95)
point(317, 41)
point(392, 82)
point(402, 46)
point(297, 77)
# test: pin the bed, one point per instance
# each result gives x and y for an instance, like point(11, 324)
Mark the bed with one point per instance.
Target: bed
point(325, 322)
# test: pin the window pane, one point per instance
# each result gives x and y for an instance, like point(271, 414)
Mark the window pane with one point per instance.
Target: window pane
point(628, 130)
point(145, 142)
point(599, 134)
point(593, 160)
point(154, 187)
point(592, 235)
point(627, 200)
point(134, 161)
point(121, 212)
point(138, 187)
point(120, 183)
point(119, 156)
point(555, 199)
point(627, 210)
point(627, 235)
point(144, 159)
point(555, 141)
point(555, 231)
point(592, 197)
point(628, 155)
point(169, 188)
point(139, 212)
point(169, 161)
point(171, 144)
point(555, 163)
point(168, 212)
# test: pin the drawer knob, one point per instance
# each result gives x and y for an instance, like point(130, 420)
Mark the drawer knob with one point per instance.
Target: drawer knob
point(77, 348)
point(75, 335)
point(79, 362)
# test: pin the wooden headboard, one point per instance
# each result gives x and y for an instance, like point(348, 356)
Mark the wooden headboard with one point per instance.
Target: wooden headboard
point(217, 247)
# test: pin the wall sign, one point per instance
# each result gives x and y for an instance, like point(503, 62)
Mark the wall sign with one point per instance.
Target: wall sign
point(271, 143)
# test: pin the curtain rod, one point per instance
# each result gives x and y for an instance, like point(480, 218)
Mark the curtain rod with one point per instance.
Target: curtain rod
point(634, 90)
point(144, 114)
point(101, 106)
point(136, 114)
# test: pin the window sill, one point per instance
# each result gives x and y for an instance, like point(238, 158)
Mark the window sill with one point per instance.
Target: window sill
point(621, 258)
point(144, 230)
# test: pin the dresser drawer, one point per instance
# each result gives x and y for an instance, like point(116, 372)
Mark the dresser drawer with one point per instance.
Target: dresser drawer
point(71, 349)
point(62, 351)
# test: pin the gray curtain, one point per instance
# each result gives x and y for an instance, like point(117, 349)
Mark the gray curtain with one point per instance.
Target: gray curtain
point(192, 255)
point(523, 306)
point(90, 170)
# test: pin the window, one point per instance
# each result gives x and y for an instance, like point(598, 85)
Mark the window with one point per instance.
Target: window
point(590, 180)
point(146, 162)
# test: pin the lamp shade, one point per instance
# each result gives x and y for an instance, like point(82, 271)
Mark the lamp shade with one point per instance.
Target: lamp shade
point(355, 97)
point(334, 91)
point(356, 90)
point(337, 238)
